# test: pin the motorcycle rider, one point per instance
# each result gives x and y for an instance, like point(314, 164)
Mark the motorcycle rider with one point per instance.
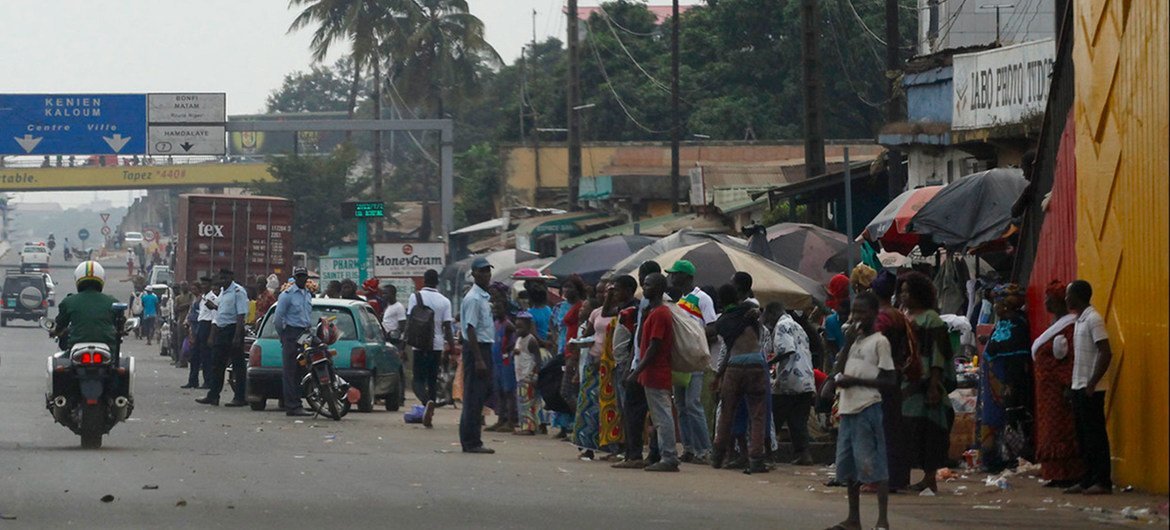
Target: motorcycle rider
point(87, 315)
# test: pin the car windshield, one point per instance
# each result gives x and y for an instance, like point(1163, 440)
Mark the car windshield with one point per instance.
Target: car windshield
point(345, 323)
point(14, 284)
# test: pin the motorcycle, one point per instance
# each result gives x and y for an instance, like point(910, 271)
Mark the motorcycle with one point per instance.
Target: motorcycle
point(325, 391)
point(90, 387)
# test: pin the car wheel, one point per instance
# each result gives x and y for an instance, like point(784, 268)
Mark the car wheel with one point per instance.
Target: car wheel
point(3, 322)
point(258, 405)
point(366, 402)
point(394, 399)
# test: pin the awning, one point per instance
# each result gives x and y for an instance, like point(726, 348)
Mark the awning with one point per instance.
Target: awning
point(858, 171)
point(491, 224)
point(566, 223)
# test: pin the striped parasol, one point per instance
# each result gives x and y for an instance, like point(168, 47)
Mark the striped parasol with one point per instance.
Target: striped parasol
point(891, 226)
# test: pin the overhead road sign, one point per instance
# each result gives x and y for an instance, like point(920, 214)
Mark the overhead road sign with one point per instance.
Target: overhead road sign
point(131, 177)
point(363, 209)
point(186, 140)
point(187, 108)
point(72, 124)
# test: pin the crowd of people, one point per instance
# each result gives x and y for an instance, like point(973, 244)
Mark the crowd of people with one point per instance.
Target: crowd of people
point(598, 367)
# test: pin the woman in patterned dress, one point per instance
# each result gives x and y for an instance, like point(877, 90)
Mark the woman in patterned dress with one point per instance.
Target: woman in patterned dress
point(1052, 355)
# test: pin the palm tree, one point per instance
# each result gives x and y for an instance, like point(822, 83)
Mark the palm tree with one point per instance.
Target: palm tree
point(370, 26)
point(442, 54)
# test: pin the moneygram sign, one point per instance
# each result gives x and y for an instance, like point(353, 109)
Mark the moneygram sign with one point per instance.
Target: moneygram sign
point(1003, 86)
point(408, 259)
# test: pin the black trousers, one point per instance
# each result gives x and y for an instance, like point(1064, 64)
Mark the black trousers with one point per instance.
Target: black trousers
point(200, 354)
point(1089, 410)
point(226, 352)
point(634, 411)
point(476, 389)
point(425, 381)
point(290, 371)
point(793, 409)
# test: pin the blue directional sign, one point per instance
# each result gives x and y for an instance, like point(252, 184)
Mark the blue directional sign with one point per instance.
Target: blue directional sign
point(72, 124)
point(83, 234)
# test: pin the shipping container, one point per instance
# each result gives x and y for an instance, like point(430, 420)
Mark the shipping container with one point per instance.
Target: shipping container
point(251, 236)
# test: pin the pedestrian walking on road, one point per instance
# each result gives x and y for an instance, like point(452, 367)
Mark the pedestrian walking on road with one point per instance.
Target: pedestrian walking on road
point(475, 315)
point(291, 317)
point(864, 367)
point(428, 347)
point(150, 305)
point(228, 337)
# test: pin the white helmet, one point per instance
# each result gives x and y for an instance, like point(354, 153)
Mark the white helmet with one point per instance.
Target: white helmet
point(89, 271)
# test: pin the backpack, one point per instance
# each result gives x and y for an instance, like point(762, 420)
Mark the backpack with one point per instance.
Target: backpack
point(690, 342)
point(420, 325)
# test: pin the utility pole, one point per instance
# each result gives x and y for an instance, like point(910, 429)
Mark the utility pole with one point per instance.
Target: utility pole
point(378, 134)
point(814, 136)
point(535, 116)
point(574, 101)
point(895, 103)
point(674, 119)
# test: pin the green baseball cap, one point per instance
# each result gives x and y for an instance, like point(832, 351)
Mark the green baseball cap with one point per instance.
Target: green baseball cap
point(683, 266)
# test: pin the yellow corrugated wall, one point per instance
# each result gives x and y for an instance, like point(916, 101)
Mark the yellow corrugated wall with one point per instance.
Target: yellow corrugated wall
point(1120, 53)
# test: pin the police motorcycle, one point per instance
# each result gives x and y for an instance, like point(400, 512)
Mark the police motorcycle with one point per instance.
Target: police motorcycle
point(90, 386)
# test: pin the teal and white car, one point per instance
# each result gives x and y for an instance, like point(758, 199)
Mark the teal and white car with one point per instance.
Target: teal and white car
point(364, 358)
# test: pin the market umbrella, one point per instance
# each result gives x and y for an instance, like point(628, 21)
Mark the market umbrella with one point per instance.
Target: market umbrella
point(807, 248)
point(592, 260)
point(891, 226)
point(678, 239)
point(715, 263)
point(973, 210)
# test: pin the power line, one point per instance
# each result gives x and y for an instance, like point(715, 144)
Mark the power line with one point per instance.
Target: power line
point(652, 79)
point(609, 84)
point(865, 26)
point(605, 15)
point(846, 68)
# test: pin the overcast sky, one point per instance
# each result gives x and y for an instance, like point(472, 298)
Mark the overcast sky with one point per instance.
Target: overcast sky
point(240, 47)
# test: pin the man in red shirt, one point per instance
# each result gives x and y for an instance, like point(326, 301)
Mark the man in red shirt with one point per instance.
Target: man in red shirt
point(656, 342)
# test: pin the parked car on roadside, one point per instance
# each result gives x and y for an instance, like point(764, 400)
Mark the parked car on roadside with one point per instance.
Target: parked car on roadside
point(364, 358)
point(131, 238)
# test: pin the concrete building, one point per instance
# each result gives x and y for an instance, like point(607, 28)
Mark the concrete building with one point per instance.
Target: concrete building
point(956, 24)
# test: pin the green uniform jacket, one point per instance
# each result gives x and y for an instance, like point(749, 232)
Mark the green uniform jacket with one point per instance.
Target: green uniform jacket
point(88, 316)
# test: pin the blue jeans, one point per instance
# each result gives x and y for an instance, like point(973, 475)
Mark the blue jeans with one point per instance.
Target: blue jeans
point(658, 400)
point(692, 421)
point(861, 447)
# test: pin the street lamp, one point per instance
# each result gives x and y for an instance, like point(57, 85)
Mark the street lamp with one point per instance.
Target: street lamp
point(996, 7)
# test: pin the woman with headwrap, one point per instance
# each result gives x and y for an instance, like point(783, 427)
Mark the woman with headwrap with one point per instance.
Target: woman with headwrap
point(927, 412)
point(861, 278)
point(1052, 352)
point(1005, 383)
point(838, 302)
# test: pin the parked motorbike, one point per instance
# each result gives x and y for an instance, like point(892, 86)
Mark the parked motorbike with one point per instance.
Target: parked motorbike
point(325, 391)
point(91, 385)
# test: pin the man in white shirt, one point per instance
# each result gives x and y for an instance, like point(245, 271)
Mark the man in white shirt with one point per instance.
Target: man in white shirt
point(426, 361)
point(394, 316)
point(1089, 385)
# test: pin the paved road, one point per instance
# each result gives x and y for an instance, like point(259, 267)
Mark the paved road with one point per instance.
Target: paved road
point(220, 467)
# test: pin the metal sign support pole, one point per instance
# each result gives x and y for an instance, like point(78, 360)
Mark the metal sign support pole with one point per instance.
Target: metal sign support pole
point(362, 228)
